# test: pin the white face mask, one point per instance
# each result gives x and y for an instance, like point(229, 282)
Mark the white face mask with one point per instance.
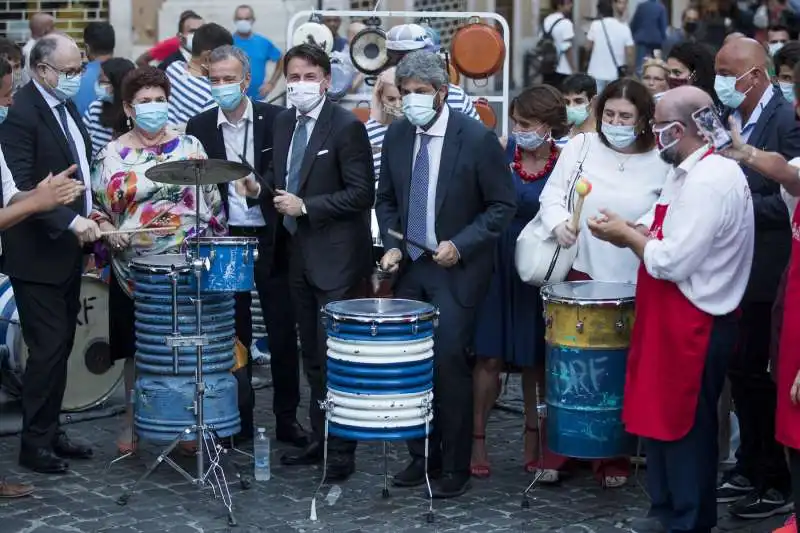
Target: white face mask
point(304, 95)
point(243, 26)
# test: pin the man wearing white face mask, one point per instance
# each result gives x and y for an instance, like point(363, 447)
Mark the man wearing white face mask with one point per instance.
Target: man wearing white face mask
point(784, 62)
point(445, 183)
point(260, 50)
point(759, 484)
point(43, 257)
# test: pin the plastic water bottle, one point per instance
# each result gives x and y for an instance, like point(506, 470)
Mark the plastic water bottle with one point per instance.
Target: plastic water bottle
point(261, 453)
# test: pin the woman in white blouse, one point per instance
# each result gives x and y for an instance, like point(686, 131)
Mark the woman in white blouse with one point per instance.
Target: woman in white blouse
point(622, 164)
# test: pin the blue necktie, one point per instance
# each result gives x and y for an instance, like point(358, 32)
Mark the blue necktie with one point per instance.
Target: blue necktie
point(73, 150)
point(417, 230)
point(299, 143)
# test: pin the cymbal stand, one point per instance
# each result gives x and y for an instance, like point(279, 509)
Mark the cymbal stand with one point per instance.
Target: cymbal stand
point(541, 414)
point(205, 435)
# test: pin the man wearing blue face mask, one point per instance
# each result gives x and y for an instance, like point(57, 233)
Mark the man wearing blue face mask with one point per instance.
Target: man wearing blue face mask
point(759, 484)
point(445, 183)
point(43, 257)
point(784, 62)
point(240, 129)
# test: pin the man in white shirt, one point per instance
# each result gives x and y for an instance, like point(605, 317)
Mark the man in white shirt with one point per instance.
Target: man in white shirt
point(561, 30)
point(40, 25)
point(696, 260)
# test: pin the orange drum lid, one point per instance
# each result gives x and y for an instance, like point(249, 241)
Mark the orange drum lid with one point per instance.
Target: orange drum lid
point(486, 113)
point(477, 50)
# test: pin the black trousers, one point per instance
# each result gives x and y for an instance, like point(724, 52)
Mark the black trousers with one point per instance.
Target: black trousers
point(794, 467)
point(451, 437)
point(308, 300)
point(121, 321)
point(272, 285)
point(760, 458)
point(682, 474)
point(49, 315)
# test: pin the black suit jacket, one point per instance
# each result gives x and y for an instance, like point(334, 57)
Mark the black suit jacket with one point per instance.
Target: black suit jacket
point(337, 185)
point(40, 249)
point(204, 128)
point(475, 197)
point(777, 130)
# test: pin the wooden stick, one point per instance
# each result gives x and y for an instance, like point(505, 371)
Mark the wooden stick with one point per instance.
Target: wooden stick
point(576, 214)
point(139, 230)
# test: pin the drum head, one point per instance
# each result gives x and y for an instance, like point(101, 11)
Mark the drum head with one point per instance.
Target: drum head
point(219, 241)
point(160, 263)
point(314, 33)
point(368, 51)
point(382, 310)
point(589, 292)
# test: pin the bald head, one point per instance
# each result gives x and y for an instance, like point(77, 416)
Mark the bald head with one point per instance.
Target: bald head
point(746, 61)
point(678, 105)
point(41, 24)
point(54, 57)
point(744, 51)
point(731, 36)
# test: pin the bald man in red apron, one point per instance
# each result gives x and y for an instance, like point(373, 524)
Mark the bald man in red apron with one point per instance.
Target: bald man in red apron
point(696, 252)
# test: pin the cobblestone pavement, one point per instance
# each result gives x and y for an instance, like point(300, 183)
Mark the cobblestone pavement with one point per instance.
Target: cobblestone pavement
point(84, 500)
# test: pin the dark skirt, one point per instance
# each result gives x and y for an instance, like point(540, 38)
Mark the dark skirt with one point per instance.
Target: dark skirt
point(121, 327)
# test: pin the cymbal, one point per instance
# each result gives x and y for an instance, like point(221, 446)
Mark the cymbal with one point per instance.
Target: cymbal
point(197, 172)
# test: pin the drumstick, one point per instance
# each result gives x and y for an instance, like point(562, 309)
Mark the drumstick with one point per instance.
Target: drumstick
point(399, 236)
point(582, 189)
point(138, 230)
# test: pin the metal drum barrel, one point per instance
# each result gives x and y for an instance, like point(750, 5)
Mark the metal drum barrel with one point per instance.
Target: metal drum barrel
point(588, 328)
point(164, 399)
point(380, 368)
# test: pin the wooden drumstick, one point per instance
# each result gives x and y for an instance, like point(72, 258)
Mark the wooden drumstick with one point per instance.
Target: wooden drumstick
point(582, 189)
point(139, 230)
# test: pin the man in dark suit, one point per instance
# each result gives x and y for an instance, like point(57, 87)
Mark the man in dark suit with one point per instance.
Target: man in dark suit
point(760, 483)
point(324, 182)
point(43, 256)
point(445, 183)
point(242, 129)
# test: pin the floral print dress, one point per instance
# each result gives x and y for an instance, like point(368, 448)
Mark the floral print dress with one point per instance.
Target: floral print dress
point(125, 197)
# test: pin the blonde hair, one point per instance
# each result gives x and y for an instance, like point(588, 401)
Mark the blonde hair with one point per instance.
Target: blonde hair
point(654, 62)
point(386, 78)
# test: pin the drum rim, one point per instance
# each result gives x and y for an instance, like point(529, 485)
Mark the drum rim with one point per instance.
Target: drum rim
point(429, 314)
point(140, 264)
point(223, 240)
point(549, 297)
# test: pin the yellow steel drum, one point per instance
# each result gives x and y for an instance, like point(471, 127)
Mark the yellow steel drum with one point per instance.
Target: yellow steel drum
point(588, 314)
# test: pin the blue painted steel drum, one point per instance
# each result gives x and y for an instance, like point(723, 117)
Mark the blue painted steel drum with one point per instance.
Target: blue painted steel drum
point(10, 331)
point(588, 334)
point(380, 368)
point(164, 400)
point(229, 262)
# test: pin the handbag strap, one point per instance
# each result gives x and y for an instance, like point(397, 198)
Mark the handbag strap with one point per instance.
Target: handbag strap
point(608, 42)
point(570, 199)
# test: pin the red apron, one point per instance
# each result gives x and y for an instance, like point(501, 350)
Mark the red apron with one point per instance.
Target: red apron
point(666, 358)
point(787, 416)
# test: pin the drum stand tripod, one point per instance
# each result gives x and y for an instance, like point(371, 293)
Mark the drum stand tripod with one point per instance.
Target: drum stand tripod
point(207, 440)
point(541, 414)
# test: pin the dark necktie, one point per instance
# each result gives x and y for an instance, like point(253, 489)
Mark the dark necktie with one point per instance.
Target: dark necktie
point(299, 143)
point(418, 199)
point(73, 148)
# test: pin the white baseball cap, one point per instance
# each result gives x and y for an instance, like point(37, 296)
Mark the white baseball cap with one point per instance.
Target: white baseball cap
point(407, 37)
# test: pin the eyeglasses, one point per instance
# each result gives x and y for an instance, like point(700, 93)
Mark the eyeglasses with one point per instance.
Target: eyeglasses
point(69, 73)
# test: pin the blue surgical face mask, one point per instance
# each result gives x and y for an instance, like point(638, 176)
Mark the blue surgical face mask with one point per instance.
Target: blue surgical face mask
point(528, 140)
point(152, 116)
point(725, 87)
point(227, 96)
point(774, 48)
point(788, 91)
point(418, 108)
point(619, 137)
point(577, 114)
point(3, 114)
point(102, 92)
point(67, 86)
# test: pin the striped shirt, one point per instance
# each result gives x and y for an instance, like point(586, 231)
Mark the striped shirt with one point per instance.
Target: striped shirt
point(100, 135)
point(189, 95)
point(460, 101)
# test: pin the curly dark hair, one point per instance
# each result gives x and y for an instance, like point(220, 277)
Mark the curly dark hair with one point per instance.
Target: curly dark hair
point(544, 103)
point(112, 114)
point(699, 59)
point(310, 53)
point(139, 78)
point(637, 94)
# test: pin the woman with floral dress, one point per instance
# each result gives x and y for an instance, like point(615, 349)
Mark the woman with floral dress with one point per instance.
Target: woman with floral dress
point(124, 198)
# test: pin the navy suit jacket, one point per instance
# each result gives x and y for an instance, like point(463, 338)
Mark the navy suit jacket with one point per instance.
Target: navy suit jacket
point(777, 130)
point(475, 197)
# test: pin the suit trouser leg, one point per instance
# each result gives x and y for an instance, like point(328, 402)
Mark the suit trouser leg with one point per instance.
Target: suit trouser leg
point(244, 376)
point(48, 314)
point(451, 439)
point(682, 474)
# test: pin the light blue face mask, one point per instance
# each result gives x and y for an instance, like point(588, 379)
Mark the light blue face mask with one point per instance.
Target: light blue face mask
point(774, 48)
point(3, 114)
point(227, 96)
point(418, 108)
point(528, 140)
point(577, 114)
point(102, 92)
point(725, 87)
point(788, 91)
point(67, 86)
point(618, 136)
point(152, 116)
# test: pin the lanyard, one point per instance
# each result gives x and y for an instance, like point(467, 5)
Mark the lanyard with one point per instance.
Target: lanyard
point(242, 156)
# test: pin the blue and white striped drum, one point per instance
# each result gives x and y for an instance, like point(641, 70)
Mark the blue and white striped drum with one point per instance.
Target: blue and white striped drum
point(380, 368)
point(229, 262)
point(164, 399)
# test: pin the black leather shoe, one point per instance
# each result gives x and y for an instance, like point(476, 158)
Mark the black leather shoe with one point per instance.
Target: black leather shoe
point(42, 460)
point(310, 455)
point(450, 486)
point(292, 433)
point(340, 467)
point(414, 473)
point(67, 449)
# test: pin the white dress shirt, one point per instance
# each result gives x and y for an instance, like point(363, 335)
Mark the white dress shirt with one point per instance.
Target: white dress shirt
point(235, 135)
point(313, 116)
point(436, 133)
point(707, 249)
point(747, 129)
point(83, 161)
point(9, 186)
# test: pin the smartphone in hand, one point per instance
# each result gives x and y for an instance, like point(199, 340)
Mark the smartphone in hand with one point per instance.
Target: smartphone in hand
point(710, 125)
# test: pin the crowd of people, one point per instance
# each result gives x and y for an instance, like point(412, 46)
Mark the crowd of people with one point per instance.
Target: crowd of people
point(708, 236)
